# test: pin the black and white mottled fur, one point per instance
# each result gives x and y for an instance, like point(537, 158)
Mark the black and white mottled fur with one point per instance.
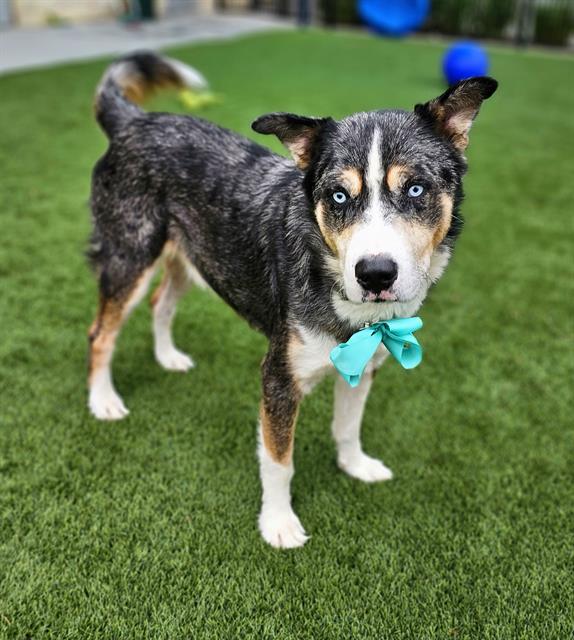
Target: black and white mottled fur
point(281, 242)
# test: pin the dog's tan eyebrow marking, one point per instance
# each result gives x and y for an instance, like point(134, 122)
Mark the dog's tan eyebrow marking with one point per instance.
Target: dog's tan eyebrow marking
point(396, 175)
point(352, 179)
point(425, 239)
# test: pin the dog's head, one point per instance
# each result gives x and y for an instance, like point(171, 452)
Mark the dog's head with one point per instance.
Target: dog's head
point(385, 187)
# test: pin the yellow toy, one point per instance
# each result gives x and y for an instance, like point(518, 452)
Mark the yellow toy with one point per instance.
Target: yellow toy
point(195, 101)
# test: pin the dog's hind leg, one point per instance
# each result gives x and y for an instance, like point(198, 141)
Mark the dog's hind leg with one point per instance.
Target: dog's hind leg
point(175, 283)
point(348, 415)
point(115, 307)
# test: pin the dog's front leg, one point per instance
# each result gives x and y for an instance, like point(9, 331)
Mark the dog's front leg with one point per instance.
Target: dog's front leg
point(278, 524)
point(348, 415)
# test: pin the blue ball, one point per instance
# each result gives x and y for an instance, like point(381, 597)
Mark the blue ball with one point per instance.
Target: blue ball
point(464, 60)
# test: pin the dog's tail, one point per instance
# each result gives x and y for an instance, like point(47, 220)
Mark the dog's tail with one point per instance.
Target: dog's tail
point(131, 79)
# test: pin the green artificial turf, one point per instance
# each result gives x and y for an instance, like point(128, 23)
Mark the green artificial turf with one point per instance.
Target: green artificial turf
point(147, 528)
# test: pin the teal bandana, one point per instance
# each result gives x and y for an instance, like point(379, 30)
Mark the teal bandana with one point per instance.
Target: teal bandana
point(351, 357)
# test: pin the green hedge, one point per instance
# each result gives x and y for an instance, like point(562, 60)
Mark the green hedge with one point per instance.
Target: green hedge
point(554, 25)
point(478, 18)
point(340, 12)
point(493, 18)
point(447, 16)
point(474, 18)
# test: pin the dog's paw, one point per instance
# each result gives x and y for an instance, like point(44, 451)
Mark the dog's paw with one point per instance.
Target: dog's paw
point(365, 468)
point(107, 405)
point(174, 360)
point(281, 528)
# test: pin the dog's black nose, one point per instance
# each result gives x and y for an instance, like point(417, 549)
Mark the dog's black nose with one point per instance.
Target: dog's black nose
point(376, 273)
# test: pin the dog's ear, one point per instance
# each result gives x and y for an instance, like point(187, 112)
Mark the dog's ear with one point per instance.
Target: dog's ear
point(297, 133)
point(452, 113)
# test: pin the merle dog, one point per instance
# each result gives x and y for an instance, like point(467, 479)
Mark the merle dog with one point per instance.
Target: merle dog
point(353, 231)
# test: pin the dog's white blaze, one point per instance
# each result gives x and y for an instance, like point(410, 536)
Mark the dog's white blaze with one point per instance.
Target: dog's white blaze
point(278, 523)
point(374, 173)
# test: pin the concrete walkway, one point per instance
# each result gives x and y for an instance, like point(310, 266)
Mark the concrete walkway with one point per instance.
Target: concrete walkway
point(28, 48)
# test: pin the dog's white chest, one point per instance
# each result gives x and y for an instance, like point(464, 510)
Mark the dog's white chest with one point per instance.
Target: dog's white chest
point(309, 357)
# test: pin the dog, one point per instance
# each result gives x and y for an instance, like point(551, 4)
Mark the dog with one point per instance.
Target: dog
point(353, 230)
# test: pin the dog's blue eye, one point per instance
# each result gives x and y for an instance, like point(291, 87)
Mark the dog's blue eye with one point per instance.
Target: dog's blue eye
point(416, 190)
point(340, 197)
